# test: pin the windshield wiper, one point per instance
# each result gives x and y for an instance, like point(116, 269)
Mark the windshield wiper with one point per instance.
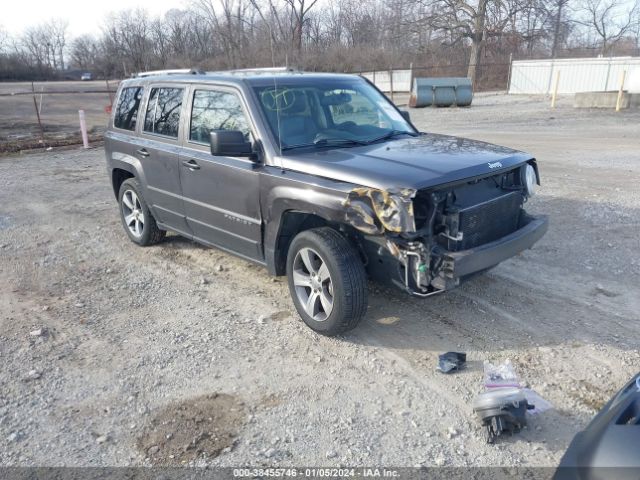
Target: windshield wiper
point(330, 142)
point(339, 141)
point(391, 134)
point(324, 142)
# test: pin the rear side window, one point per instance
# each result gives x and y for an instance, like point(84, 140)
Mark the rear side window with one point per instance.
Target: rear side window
point(127, 108)
point(216, 110)
point(163, 111)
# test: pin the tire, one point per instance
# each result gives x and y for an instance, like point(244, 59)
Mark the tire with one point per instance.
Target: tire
point(143, 230)
point(346, 287)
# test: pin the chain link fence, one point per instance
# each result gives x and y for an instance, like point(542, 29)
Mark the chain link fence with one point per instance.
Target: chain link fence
point(45, 114)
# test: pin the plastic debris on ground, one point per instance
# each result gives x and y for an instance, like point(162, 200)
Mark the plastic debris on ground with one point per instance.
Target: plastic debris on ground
point(540, 404)
point(451, 361)
point(500, 375)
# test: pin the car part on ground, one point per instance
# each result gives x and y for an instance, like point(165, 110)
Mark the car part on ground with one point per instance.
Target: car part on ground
point(451, 362)
point(502, 410)
point(608, 447)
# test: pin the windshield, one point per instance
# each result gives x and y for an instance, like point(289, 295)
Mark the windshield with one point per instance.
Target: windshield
point(329, 113)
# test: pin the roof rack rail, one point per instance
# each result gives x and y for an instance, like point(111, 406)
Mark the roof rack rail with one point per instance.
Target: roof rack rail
point(265, 70)
point(177, 71)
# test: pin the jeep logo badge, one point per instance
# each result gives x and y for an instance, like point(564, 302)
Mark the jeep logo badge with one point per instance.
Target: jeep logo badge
point(494, 165)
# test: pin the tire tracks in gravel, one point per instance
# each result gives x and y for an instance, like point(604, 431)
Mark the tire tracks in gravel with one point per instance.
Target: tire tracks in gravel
point(612, 300)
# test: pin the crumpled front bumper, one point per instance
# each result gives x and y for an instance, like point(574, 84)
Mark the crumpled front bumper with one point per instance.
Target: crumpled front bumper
point(460, 264)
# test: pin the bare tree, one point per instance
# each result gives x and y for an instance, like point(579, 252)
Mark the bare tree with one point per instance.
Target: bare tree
point(45, 44)
point(127, 38)
point(470, 20)
point(557, 10)
point(636, 31)
point(36, 45)
point(4, 40)
point(444, 37)
point(226, 20)
point(532, 25)
point(56, 33)
point(84, 52)
point(610, 20)
point(299, 10)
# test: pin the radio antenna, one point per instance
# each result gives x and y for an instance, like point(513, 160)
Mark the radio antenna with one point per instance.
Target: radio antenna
point(276, 98)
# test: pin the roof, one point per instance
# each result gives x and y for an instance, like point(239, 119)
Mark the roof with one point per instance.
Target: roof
point(237, 77)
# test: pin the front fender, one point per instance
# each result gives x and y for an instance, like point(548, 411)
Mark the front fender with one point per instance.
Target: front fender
point(325, 204)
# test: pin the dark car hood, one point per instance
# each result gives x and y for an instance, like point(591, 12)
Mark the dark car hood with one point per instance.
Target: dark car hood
point(412, 162)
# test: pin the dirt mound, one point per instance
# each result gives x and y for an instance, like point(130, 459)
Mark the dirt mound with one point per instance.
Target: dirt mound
point(197, 427)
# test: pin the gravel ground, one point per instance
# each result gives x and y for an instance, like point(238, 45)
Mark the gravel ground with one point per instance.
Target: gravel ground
point(177, 354)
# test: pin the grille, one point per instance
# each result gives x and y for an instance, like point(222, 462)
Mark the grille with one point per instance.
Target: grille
point(489, 221)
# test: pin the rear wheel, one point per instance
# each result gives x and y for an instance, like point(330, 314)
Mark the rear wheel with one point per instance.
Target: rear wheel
point(327, 281)
point(136, 216)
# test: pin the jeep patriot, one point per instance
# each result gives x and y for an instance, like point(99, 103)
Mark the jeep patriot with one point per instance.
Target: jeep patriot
point(318, 177)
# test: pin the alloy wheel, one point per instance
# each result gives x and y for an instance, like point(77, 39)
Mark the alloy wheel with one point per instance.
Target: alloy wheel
point(313, 284)
point(132, 213)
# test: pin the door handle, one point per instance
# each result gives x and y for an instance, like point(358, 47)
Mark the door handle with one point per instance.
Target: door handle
point(191, 164)
point(143, 152)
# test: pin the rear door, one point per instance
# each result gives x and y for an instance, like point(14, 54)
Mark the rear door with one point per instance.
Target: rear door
point(221, 194)
point(159, 153)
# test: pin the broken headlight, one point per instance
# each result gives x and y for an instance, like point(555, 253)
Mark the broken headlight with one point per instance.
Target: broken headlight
point(373, 211)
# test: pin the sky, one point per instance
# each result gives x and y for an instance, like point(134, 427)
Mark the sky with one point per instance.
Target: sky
point(83, 16)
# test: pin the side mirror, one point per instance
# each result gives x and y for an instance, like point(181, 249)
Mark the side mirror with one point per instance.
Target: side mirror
point(229, 143)
point(405, 115)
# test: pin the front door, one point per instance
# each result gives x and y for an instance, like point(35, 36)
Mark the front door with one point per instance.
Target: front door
point(221, 194)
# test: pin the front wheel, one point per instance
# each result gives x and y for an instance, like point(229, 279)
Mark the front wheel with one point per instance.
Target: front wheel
point(327, 281)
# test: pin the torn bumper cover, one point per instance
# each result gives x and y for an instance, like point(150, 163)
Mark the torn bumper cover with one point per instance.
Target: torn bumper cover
point(435, 270)
point(466, 262)
point(423, 269)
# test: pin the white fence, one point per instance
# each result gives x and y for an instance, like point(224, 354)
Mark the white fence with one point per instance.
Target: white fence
point(383, 80)
point(576, 75)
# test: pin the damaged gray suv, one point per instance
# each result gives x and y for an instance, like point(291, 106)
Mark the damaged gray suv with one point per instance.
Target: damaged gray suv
point(318, 177)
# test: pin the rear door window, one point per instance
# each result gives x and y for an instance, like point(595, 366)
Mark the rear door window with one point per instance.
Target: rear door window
point(163, 111)
point(216, 110)
point(126, 113)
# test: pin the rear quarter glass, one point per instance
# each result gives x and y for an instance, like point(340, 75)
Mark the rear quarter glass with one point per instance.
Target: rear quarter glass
point(126, 113)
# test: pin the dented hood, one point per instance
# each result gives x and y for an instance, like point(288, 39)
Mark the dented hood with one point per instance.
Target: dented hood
point(412, 162)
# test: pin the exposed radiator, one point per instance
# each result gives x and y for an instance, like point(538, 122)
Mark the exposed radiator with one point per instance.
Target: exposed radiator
point(490, 220)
